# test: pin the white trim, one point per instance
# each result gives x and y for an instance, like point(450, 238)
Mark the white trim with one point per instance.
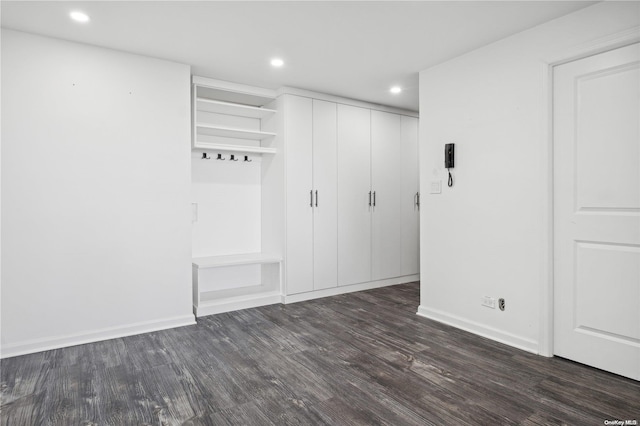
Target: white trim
point(334, 291)
point(39, 345)
point(519, 342)
point(600, 45)
point(593, 47)
point(346, 101)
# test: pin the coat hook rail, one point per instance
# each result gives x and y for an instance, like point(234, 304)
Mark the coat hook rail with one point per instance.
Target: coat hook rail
point(232, 157)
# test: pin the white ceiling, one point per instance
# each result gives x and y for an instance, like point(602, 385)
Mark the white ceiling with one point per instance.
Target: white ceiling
point(352, 49)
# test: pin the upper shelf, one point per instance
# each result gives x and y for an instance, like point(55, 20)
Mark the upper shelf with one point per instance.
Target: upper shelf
point(228, 132)
point(232, 92)
point(245, 149)
point(210, 105)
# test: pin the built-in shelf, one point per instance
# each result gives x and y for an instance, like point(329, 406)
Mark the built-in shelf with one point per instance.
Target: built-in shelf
point(217, 302)
point(243, 293)
point(228, 132)
point(208, 146)
point(210, 105)
point(235, 119)
point(235, 259)
point(208, 302)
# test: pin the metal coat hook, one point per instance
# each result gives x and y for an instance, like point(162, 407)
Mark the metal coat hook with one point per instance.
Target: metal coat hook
point(246, 158)
point(219, 157)
point(205, 156)
point(233, 158)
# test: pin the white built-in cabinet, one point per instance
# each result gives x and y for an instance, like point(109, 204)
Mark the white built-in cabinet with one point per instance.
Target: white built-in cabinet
point(311, 203)
point(355, 197)
point(351, 194)
point(325, 187)
point(386, 185)
point(410, 202)
point(298, 195)
point(378, 195)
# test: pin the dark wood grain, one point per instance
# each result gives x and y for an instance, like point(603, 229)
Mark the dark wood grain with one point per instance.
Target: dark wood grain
point(357, 359)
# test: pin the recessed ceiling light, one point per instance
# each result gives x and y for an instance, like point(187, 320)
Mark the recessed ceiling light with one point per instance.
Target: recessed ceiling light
point(78, 16)
point(277, 62)
point(395, 89)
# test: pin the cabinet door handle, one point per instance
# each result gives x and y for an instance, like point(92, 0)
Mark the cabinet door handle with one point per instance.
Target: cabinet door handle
point(374, 198)
point(311, 198)
point(369, 198)
point(417, 198)
point(316, 198)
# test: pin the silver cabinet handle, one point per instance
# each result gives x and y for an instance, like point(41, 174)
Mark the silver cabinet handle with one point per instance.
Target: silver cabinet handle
point(374, 198)
point(369, 198)
point(316, 198)
point(311, 198)
point(417, 200)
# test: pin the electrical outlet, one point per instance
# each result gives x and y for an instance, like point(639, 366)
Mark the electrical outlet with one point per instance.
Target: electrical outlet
point(489, 302)
point(501, 304)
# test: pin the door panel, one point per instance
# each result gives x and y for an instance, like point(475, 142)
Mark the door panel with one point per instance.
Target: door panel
point(410, 184)
point(299, 239)
point(354, 177)
point(597, 211)
point(387, 184)
point(325, 182)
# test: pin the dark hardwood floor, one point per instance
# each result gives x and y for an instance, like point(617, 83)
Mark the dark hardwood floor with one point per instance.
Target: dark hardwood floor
point(362, 358)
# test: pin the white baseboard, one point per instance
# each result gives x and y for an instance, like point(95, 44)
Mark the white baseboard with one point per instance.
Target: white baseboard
point(519, 342)
point(237, 303)
point(39, 345)
point(334, 291)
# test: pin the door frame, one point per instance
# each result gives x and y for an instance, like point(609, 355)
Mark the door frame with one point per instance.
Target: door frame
point(594, 47)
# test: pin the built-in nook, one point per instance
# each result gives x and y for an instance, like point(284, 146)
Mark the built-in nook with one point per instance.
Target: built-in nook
point(233, 128)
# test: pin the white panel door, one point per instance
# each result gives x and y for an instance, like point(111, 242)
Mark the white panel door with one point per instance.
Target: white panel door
point(410, 196)
point(386, 184)
point(299, 211)
point(597, 211)
point(354, 179)
point(325, 184)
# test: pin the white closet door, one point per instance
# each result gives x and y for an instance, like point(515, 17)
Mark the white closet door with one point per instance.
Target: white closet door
point(410, 187)
point(299, 240)
point(354, 177)
point(325, 184)
point(387, 187)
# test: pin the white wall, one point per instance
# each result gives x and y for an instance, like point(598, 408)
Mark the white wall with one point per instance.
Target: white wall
point(489, 234)
point(227, 194)
point(95, 194)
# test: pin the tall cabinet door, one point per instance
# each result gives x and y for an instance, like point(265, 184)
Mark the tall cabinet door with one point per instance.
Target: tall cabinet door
point(410, 198)
point(325, 184)
point(387, 186)
point(354, 213)
point(299, 209)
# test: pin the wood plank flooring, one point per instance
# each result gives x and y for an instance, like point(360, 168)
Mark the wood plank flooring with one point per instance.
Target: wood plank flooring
point(357, 359)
